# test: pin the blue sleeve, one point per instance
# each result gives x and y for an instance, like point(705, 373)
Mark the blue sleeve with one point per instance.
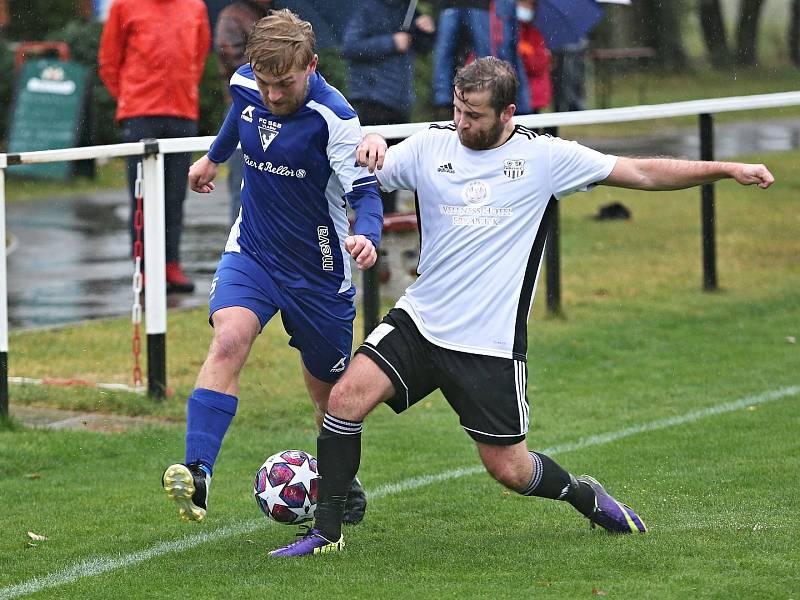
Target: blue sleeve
point(227, 139)
point(368, 206)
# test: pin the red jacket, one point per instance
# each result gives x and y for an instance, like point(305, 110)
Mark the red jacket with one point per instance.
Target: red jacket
point(536, 59)
point(152, 54)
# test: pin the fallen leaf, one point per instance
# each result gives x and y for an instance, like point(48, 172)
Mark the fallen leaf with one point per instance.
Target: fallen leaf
point(751, 408)
point(598, 592)
point(791, 339)
point(36, 537)
point(33, 476)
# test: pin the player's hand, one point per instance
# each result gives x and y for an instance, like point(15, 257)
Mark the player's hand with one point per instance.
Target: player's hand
point(371, 152)
point(362, 250)
point(753, 174)
point(202, 174)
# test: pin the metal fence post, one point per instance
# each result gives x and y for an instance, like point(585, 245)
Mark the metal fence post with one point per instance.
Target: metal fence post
point(553, 255)
point(707, 207)
point(372, 297)
point(3, 297)
point(155, 289)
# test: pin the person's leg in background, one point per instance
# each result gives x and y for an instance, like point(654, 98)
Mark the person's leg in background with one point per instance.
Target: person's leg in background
point(443, 59)
point(134, 130)
point(176, 167)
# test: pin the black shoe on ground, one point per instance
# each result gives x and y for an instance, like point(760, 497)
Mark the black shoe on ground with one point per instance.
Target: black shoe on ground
point(187, 486)
point(356, 504)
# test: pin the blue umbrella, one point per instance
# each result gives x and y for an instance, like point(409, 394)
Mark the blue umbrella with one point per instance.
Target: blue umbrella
point(564, 22)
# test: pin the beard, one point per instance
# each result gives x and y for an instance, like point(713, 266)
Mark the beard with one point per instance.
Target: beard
point(481, 140)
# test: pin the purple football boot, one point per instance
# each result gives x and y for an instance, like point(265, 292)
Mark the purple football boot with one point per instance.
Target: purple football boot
point(312, 542)
point(611, 515)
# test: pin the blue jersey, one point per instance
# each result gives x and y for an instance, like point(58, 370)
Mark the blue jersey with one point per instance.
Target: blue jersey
point(298, 171)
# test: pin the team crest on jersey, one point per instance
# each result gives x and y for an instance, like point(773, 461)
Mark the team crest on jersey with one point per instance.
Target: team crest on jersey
point(514, 168)
point(476, 193)
point(267, 131)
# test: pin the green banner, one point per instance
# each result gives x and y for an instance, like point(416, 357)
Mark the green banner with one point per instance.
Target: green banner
point(49, 113)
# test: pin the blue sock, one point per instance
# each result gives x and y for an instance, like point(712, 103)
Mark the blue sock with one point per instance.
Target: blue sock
point(208, 415)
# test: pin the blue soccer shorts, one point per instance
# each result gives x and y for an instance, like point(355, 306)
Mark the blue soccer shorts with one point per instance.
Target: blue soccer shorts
point(320, 325)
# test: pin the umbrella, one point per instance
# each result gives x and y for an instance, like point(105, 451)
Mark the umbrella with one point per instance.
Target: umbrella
point(564, 22)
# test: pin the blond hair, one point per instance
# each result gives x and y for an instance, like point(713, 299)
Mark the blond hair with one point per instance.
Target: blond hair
point(281, 42)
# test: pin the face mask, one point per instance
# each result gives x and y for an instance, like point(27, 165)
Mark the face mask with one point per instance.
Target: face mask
point(524, 14)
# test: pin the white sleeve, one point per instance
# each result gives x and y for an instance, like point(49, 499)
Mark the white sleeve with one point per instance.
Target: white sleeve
point(399, 170)
point(344, 135)
point(576, 168)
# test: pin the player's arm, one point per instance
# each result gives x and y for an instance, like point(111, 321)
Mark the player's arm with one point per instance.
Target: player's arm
point(204, 170)
point(368, 226)
point(673, 174)
point(360, 191)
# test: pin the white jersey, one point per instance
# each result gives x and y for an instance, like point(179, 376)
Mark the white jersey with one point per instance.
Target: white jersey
point(483, 217)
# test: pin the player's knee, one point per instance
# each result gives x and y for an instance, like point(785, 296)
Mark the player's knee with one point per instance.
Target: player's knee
point(345, 402)
point(229, 346)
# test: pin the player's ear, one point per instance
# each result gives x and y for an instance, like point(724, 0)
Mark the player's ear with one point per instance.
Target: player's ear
point(507, 113)
point(312, 66)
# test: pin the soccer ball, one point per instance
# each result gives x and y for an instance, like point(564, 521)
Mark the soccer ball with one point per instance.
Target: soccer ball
point(286, 487)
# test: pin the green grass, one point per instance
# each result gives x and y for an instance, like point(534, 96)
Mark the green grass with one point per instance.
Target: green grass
point(639, 342)
point(110, 175)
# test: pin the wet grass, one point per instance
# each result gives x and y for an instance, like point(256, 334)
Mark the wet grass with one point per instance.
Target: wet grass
point(639, 342)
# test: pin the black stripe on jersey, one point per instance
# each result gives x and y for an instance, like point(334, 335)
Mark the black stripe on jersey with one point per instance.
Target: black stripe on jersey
point(520, 348)
point(450, 126)
point(528, 133)
point(419, 229)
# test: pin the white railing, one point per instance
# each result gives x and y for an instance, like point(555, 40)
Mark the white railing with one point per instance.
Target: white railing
point(153, 152)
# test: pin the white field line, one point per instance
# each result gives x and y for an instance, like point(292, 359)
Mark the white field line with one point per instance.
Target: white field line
point(105, 564)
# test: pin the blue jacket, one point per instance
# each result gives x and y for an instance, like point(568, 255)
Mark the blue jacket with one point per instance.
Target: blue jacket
point(377, 71)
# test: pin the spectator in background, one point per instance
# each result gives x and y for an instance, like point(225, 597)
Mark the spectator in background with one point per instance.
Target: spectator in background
point(151, 61)
point(534, 57)
point(454, 15)
point(230, 38)
point(504, 38)
point(380, 60)
point(569, 77)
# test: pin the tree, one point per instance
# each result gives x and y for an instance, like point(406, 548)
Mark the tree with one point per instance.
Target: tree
point(658, 25)
point(747, 32)
point(32, 20)
point(794, 33)
point(713, 28)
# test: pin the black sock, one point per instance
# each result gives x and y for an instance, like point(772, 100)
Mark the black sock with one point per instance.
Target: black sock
point(338, 459)
point(551, 481)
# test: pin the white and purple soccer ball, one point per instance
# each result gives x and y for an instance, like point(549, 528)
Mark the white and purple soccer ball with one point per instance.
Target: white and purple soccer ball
point(286, 487)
